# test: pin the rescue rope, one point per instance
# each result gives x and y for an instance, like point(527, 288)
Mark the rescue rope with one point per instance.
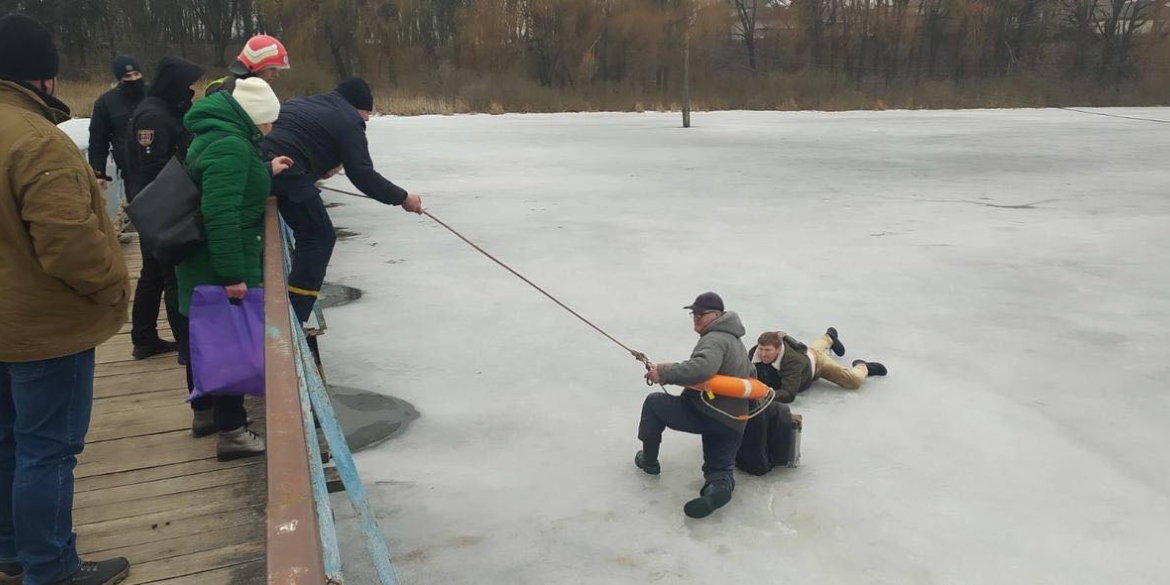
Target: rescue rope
point(641, 357)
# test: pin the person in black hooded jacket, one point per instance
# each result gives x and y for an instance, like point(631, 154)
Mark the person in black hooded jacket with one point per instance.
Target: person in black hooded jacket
point(156, 135)
point(109, 125)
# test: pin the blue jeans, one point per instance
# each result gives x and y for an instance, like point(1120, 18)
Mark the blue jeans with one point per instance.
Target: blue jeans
point(44, 416)
point(720, 442)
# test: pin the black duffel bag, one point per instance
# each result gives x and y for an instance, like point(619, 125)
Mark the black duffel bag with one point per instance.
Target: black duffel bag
point(167, 215)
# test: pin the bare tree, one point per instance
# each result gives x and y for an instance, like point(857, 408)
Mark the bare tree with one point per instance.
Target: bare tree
point(746, 12)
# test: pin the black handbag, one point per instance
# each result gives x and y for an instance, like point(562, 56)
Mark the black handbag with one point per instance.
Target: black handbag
point(167, 214)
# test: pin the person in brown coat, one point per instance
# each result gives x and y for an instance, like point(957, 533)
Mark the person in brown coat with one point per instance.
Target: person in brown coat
point(63, 290)
point(790, 367)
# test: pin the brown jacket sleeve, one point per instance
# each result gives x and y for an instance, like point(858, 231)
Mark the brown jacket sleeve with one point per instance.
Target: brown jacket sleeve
point(58, 205)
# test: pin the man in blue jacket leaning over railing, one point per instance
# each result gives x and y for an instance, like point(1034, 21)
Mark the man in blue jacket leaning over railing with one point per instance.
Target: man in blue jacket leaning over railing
point(321, 133)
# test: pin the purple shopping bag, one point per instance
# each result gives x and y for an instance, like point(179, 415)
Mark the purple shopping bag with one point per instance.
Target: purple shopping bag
point(227, 343)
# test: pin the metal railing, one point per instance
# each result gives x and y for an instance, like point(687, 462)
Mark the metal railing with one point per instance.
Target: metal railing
point(289, 356)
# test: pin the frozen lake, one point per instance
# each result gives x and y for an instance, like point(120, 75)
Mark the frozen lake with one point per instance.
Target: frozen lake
point(1009, 267)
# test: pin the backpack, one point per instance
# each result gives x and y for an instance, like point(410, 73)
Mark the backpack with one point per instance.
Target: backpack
point(771, 439)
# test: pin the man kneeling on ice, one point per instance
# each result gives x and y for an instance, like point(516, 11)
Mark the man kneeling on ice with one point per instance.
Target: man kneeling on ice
point(716, 418)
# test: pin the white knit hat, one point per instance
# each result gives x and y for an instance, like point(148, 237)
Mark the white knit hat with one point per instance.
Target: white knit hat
point(258, 99)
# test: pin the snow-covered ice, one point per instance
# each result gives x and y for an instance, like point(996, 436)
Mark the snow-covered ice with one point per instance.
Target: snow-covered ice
point(1010, 268)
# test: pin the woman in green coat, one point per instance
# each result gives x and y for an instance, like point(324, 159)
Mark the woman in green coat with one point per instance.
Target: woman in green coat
point(234, 183)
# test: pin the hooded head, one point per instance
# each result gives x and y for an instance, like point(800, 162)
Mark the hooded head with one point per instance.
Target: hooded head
point(173, 80)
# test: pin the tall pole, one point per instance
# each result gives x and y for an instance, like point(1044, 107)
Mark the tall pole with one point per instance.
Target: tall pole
point(687, 74)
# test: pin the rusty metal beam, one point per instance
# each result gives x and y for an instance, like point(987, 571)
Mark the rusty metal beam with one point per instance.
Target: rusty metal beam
point(294, 548)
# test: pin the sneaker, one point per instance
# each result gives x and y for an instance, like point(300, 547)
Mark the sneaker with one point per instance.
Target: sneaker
point(153, 348)
point(11, 574)
point(875, 369)
point(99, 573)
point(837, 347)
point(650, 467)
point(714, 496)
point(203, 422)
point(238, 444)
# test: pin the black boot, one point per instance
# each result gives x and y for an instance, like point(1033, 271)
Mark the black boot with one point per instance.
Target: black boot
point(714, 496)
point(99, 573)
point(875, 369)
point(153, 348)
point(647, 459)
point(837, 347)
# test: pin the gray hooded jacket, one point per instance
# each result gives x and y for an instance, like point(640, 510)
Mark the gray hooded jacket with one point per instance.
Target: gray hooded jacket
point(719, 351)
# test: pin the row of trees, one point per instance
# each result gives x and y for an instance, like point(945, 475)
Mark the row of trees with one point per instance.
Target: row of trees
point(635, 46)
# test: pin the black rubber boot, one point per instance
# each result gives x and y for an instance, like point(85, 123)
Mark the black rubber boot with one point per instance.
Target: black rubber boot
point(153, 348)
point(837, 347)
point(106, 572)
point(647, 463)
point(714, 496)
point(875, 368)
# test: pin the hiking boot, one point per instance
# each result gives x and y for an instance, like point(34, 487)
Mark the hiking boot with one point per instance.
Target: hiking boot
point(643, 463)
point(153, 348)
point(714, 496)
point(875, 369)
point(98, 573)
point(203, 422)
point(238, 444)
point(837, 347)
point(11, 574)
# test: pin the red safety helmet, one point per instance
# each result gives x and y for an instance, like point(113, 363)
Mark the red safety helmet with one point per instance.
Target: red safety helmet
point(260, 52)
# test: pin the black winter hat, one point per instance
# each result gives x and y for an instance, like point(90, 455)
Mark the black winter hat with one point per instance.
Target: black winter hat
point(124, 64)
point(357, 92)
point(27, 52)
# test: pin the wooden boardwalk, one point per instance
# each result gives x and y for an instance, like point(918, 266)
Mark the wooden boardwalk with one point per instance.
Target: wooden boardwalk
point(147, 490)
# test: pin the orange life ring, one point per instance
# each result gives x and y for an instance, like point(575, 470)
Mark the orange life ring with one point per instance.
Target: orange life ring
point(732, 387)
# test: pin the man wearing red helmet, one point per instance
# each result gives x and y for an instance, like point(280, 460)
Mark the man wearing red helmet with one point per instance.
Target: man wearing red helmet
point(263, 56)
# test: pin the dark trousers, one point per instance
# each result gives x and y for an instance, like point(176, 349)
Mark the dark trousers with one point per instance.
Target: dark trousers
point(661, 411)
point(155, 279)
point(229, 410)
point(315, 237)
point(44, 415)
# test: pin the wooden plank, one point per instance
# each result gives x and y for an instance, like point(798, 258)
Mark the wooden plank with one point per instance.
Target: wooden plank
point(161, 472)
point(241, 491)
point(162, 363)
point(138, 452)
point(124, 532)
point(250, 573)
point(333, 481)
point(164, 327)
point(128, 424)
point(140, 402)
point(228, 556)
point(129, 453)
point(117, 353)
point(108, 386)
point(167, 486)
point(187, 545)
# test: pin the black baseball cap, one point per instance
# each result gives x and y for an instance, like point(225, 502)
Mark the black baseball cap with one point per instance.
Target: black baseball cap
point(707, 301)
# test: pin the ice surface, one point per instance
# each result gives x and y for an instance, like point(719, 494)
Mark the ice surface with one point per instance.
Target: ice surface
point(1010, 267)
